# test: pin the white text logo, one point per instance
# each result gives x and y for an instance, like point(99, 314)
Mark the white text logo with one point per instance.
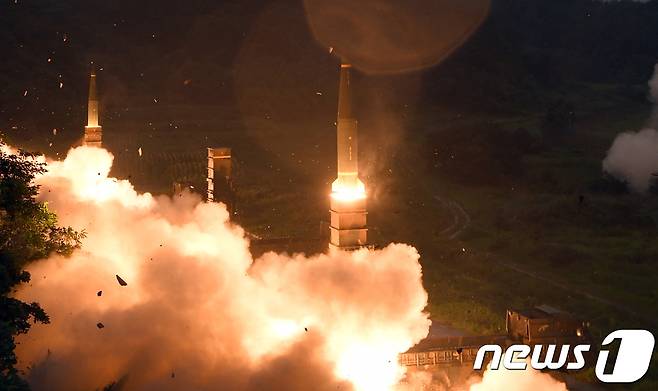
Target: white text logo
point(630, 364)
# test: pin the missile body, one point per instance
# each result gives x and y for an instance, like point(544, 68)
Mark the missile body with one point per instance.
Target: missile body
point(92, 106)
point(93, 131)
point(348, 198)
point(348, 145)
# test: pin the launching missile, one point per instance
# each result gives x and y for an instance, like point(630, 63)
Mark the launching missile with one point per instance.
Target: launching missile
point(348, 182)
point(93, 131)
point(92, 105)
point(348, 196)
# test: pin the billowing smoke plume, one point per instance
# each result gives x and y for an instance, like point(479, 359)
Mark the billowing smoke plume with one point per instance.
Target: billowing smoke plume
point(633, 156)
point(164, 295)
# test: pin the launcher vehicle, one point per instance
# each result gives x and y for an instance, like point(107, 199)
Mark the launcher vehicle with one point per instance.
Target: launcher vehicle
point(542, 325)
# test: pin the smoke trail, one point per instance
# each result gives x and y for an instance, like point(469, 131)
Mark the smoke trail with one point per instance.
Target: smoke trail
point(197, 312)
point(633, 156)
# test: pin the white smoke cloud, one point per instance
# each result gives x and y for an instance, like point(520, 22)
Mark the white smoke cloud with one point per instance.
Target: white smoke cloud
point(198, 312)
point(633, 156)
point(504, 379)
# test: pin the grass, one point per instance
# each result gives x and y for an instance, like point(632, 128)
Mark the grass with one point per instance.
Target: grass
point(605, 248)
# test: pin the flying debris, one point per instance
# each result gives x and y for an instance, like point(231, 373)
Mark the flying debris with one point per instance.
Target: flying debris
point(121, 281)
point(100, 325)
point(99, 294)
point(139, 151)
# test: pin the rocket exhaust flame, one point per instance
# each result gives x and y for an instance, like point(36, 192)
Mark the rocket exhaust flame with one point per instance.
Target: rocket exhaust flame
point(197, 312)
point(345, 192)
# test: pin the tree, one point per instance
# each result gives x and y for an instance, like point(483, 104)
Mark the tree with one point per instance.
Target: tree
point(28, 231)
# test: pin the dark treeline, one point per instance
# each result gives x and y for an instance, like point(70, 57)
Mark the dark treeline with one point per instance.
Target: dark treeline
point(155, 46)
point(530, 46)
point(594, 41)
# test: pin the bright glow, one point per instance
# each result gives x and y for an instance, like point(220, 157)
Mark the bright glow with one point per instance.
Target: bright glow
point(369, 367)
point(284, 328)
point(348, 191)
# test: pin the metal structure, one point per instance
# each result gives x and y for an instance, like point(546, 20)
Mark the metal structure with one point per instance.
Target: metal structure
point(541, 325)
point(448, 352)
point(220, 180)
point(545, 325)
point(93, 131)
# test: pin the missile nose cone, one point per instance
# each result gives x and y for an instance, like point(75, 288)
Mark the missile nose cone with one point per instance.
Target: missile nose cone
point(344, 98)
